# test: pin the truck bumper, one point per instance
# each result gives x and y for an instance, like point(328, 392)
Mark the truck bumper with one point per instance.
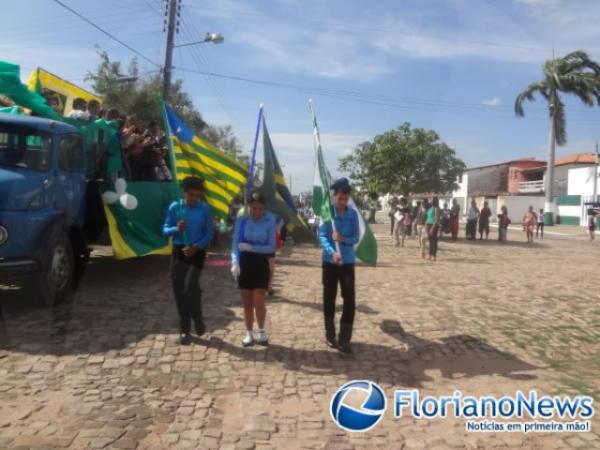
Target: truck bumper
point(17, 270)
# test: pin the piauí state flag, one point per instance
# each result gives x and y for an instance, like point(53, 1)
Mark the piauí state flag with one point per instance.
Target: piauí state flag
point(366, 248)
point(278, 196)
point(224, 177)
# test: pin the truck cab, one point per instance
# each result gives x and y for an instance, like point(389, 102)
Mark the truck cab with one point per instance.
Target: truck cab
point(43, 187)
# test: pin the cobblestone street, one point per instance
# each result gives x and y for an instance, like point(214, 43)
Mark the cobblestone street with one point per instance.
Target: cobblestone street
point(106, 370)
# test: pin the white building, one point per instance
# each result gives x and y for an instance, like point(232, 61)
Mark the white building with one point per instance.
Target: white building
point(581, 181)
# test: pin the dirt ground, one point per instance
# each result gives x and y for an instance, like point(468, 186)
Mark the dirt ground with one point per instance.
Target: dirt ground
point(106, 371)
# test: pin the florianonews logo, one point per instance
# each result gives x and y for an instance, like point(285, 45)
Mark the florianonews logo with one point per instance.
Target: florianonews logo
point(360, 404)
point(358, 418)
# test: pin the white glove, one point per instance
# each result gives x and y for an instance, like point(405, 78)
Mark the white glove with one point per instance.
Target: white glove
point(244, 247)
point(235, 271)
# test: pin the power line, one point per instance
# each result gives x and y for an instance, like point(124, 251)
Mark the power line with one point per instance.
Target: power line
point(427, 105)
point(110, 35)
point(355, 28)
point(201, 60)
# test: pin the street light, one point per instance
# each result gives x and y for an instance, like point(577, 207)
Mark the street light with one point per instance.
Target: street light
point(215, 38)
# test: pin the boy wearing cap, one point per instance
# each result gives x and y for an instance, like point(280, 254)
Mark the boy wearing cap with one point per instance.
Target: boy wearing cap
point(338, 266)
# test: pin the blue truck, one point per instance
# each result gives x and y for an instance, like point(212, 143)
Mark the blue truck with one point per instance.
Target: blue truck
point(44, 205)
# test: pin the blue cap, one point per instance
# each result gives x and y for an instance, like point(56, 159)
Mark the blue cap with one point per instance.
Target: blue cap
point(340, 184)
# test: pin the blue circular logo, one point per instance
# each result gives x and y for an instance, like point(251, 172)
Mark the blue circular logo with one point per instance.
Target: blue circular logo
point(361, 418)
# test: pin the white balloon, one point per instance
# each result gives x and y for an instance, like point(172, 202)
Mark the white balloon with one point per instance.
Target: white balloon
point(120, 186)
point(110, 197)
point(128, 201)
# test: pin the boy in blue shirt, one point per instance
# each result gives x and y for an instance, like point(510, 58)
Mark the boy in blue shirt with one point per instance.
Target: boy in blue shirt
point(338, 266)
point(190, 224)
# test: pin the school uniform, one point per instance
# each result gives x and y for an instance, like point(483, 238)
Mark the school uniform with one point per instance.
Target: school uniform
point(185, 272)
point(347, 226)
point(254, 263)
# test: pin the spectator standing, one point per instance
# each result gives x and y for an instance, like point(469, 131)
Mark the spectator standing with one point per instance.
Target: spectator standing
point(529, 222)
point(484, 221)
point(592, 225)
point(433, 224)
point(503, 223)
point(454, 218)
point(472, 216)
point(540, 224)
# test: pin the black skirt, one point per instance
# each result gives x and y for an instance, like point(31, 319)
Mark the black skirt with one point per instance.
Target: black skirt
point(254, 271)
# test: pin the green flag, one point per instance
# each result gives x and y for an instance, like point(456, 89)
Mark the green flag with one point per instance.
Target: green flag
point(278, 197)
point(366, 248)
point(135, 212)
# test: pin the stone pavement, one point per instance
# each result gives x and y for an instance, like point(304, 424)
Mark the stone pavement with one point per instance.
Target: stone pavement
point(106, 371)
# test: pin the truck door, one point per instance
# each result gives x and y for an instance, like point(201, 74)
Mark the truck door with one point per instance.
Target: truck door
point(71, 176)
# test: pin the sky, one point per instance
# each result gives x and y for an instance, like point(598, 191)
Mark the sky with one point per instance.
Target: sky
point(453, 66)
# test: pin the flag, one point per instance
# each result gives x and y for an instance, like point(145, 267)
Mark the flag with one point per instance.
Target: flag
point(135, 213)
point(224, 177)
point(366, 248)
point(11, 87)
point(278, 196)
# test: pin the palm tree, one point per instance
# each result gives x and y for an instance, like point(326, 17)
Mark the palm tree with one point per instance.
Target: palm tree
point(574, 74)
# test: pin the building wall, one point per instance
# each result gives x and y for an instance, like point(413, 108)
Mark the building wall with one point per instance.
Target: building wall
point(561, 179)
point(515, 176)
point(581, 180)
point(461, 194)
point(487, 180)
point(517, 205)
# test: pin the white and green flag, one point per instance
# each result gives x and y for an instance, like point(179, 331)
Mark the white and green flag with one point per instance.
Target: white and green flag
point(366, 248)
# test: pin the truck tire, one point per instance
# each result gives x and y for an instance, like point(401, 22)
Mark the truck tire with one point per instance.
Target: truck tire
point(58, 270)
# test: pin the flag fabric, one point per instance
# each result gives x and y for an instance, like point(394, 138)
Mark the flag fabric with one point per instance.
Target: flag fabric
point(11, 87)
point(224, 177)
point(278, 196)
point(135, 213)
point(366, 248)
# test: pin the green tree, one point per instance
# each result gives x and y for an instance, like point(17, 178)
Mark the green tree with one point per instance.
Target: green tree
point(135, 94)
point(405, 160)
point(574, 74)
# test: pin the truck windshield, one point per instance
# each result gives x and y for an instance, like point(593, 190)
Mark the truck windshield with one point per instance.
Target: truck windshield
point(27, 149)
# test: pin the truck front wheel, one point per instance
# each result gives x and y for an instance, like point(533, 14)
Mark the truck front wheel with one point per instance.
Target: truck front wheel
point(56, 278)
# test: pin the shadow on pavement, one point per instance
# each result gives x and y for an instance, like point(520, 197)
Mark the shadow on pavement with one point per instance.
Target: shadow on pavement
point(459, 356)
point(117, 303)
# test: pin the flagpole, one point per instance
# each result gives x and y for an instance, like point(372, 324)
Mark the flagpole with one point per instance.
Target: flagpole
point(325, 188)
point(173, 163)
point(250, 184)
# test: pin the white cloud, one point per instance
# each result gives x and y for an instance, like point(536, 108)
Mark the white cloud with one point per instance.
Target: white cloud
point(491, 101)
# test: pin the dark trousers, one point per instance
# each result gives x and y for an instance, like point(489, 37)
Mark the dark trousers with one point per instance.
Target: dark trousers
point(471, 228)
point(432, 233)
point(185, 276)
point(393, 221)
point(540, 226)
point(344, 276)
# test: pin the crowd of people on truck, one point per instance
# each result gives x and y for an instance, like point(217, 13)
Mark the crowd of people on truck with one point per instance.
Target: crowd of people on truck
point(130, 148)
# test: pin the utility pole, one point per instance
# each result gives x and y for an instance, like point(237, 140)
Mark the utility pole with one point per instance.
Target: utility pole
point(172, 14)
point(595, 169)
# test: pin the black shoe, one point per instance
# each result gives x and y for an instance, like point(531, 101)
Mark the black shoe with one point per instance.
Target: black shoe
point(346, 348)
point(271, 292)
point(331, 342)
point(200, 329)
point(185, 338)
